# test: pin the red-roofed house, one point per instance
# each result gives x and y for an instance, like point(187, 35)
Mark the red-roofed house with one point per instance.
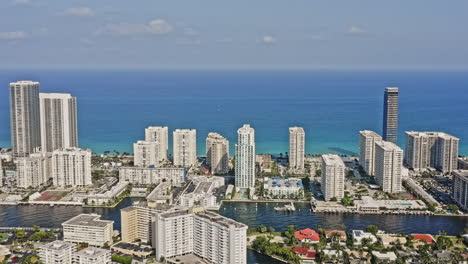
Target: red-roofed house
point(304, 253)
point(307, 236)
point(423, 237)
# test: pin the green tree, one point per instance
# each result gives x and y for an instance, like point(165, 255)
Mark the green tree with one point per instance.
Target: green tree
point(372, 229)
point(261, 229)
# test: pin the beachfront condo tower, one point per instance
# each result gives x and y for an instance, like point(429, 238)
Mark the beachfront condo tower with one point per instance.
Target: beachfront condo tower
point(245, 158)
point(390, 118)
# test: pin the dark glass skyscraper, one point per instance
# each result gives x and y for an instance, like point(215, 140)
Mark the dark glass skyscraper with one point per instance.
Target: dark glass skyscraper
point(390, 118)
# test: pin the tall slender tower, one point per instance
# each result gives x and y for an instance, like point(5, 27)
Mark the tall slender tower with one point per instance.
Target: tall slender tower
point(245, 158)
point(296, 148)
point(24, 117)
point(390, 118)
point(388, 165)
point(59, 128)
point(333, 177)
point(367, 150)
point(160, 135)
point(217, 153)
point(185, 147)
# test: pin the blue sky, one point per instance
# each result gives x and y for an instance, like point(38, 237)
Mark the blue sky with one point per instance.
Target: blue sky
point(241, 33)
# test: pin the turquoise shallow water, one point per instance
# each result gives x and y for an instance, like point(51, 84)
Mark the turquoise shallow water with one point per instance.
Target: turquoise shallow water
point(116, 105)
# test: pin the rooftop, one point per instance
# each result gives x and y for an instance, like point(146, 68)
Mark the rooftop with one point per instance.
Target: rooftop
point(58, 245)
point(214, 217)
point(391, 89)
point(92, 252)
point(369, 133)
point(332, 160)
point(88, 220)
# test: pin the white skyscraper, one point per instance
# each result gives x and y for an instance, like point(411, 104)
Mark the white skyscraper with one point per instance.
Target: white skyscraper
point(333, 177)
point(431, 150)
point(245, 158)
point(160, 135)
point(205, 234)
point(388, 166)
point(59, 127)
point(146, 153)
point(24, 117)
point(367, 150)
point(217, 153)
point(296, 148)
point(71, 167)
point(185, 147)
point(34, 170)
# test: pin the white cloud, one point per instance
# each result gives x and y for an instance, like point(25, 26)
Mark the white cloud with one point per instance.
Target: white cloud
point(191, 32)
point(79, 11)
point(356, 30)
point(268, 39)
point(13, 35)
point(154, 27)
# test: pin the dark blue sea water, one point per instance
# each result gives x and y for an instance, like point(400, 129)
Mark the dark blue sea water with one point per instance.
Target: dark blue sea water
point(116, 105)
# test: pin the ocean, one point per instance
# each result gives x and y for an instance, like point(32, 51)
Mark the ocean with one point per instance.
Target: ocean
point(115, 105)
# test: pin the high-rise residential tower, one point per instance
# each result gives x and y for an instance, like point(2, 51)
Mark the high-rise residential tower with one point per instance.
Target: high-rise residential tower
point(185, 147)
point(367, 142)
point(390, 116)
point(34, 170)
point(160, 135)
point(431, 150)
point(25, 117)
point(71, 167)
point(59, 127)
point(333, 177)
point(217, 153)
point(296, 148)
point(388, 166)
point(145, 153)
point(245, 158)
point(206, 234)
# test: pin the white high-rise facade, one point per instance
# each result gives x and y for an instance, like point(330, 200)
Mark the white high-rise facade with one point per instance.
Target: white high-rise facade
point(34, 170)
point(24, 117)
point(59, 127)
point(388, 166)
point(205, 234)
point(245, 158)
point(57, 252)
point(296, 148)
point(217, 153)
point(159, 134)
point(145, 153)
point(333, 177)
point(367, 142)
point(431, 150)
point(185, 147)
point(71, 167)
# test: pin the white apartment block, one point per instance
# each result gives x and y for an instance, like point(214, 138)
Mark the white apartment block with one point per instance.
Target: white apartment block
point(333, 177)
point(245, 158)
point(159, 134)
point(59, 125)
point(92, 255)
point(296, 148)
point(279, 187)
point(145, 154)
point(1, 172)
point(367, 140)
point(431, 150)
point(141, 175)
point(34, 170)
point(57, 252)
point(185, 147)
point(24, 117)
point(205, 234)
point(217, 153)
point(88, 228)
point(388, 166)
point(460, 188)
point(71, 167)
